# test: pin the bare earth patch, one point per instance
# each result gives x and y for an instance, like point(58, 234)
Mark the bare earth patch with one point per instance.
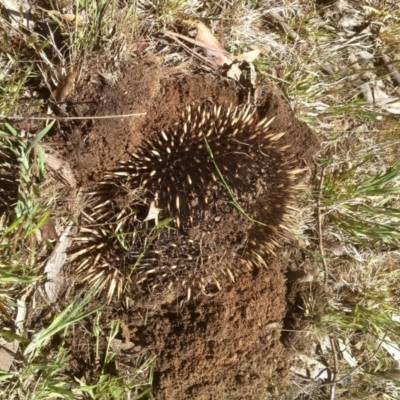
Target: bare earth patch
point(225, 345)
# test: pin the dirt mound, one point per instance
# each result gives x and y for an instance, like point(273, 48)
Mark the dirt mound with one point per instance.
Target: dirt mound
point(225, 345)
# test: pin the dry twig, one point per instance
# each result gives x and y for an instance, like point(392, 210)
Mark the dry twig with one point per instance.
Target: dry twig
point(51, 117)
point(319, 221)
point(335, 367)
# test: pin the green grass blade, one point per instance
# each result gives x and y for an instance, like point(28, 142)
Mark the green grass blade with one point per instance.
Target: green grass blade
point(39, 137)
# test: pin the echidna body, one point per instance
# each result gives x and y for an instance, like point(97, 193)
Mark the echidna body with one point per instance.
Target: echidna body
point(214, 159)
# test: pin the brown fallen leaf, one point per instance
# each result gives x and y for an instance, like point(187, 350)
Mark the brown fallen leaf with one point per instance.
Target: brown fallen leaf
point(140, 46)
point(214, 50)
point(60, 166)
point(48, 231)
point(249, 56)
point(211, 46)
point(65, 17)
point(216, 56)
point(65, 87)
point(200, 57)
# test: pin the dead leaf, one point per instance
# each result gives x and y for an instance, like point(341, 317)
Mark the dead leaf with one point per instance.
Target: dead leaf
point(168, 71)
point(337, 248)
point(392, 347)
point(344, 348)
point(243, 72)
point(215, 54)
point(214, 50)
point(211, 46)
point(110, 77)
point(234, 72)
point(392, 107)
point(8, 351)
point(203, 59)
point(249, 56)
point(153, 213)
point(54, 265)
point(48, 231)
point(66, 87)
point(140, 46)
point(310, 368)
point(119, 346)
point(377, 97)
point(59, 166)
point(19, 13)
point(21, 315)
point(65, 17)
point(126, 334)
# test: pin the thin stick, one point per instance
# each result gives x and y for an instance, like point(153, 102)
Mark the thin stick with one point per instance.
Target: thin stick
point(206, 60)
point(335, 368)
point(334, 382)
point(72, 118)
point(319, 220)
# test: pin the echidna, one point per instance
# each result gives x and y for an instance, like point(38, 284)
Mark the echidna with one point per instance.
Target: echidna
point(214, 163)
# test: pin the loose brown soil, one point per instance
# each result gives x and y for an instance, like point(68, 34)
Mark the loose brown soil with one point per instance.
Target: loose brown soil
point(226, 345)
